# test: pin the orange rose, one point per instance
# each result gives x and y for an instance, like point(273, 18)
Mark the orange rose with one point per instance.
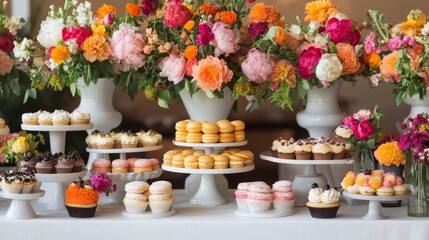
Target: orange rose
point(207, 9)
point(211, 73)
point(228, 17)
point(319, 10)
point(347, 54)
point(373, 60)
point(104, 10)
point(96, 47)
point(261, 13)
point(59, 54)
point(133, 9)
point(189, 25)
point(280, 37)
point(191, 52)
point(387, 67)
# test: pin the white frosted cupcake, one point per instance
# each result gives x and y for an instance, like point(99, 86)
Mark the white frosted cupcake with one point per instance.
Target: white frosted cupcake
point(60, 117)
point(150, 138)
point(286, 150)
point(338, 150)
point(45, 118)
point(322, 151)
point(129, 140)
point(160, 198)
point(135, 202)
point(78, 118)
point(30, 118)
point(104, 141)
point(342, 134)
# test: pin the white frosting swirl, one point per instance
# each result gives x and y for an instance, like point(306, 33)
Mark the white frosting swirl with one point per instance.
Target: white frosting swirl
point(80, 115)
point(315, 195)
point(59, 115)
point(103, 140)
point(344, 131)
point(129, 139)
point(322, 148)
point(330, 196)
point(45, 116)
point(287, 148)
point(337, 148)
point(303, 148)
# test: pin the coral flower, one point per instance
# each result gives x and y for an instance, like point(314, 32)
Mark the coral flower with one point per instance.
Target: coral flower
point(387, 67)
point(96, 47)
point(261, 13)
point(59, 54)
point(191, 52)
point(133, 9)
point(6, 63)
point(228, 17)
point(211, 73)
point(389, 153)
point(104, 10)
point(176, 15)
point(284, 71)
point(320, 10)
point(347, 54)
point(207, 9)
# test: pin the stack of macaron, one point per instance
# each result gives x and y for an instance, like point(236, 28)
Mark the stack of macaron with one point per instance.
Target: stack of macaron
point(223, 131)
point(140, 194)
point(256, 197)
point(121, 139)
point(196, 159)
point(137, 165)
point(58, 117)
point(19, 182)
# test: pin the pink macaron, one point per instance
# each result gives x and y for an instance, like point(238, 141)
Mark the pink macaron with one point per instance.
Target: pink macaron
point(142, 165)
point(282, 186)
point(119, 166)
point(259, 187)
point(155, 163)
point(131, 162)
point(101, 165)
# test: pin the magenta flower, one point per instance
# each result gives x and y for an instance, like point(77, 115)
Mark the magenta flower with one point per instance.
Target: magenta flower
point(149, 7)
point(370, 43)
point(338, 29)
point(394, 43)
point(205, 34)
point(78, 33)
point(102, 183)
point(257, 29)
point(353, 38)
point(409, 40)
point(6, 41)
point(349, 121)
point(176, 15)
point(307, 60)
point(363, 130)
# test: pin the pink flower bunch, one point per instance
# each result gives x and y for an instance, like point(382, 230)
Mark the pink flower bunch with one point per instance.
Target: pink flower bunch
point(108, 19)
point(256, 67)
point(78, 33)
point(149, 7)
point(416, 134)
point(395, 43)
point(102, 183)
point(363, 114)
point(6, 63)
point(173, 68)
point(205, 35)
point(307, 60)
point(176, 15)
point(364, 123)
point(370, 43)
point(127, 47)
point(6, 41)
point(341, 31)
point(225, 39)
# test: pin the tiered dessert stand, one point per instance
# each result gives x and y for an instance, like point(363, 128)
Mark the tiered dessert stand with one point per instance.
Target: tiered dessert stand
point(54, 183)
point(120, 179)
point(208, 194)
point(302, 182)
point(20, 207)
point(374, 206)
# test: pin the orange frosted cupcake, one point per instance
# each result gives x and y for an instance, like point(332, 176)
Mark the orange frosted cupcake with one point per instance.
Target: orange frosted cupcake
point(81, 199)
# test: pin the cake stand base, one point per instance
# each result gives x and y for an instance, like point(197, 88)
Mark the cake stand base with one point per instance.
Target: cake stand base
point(20, 207)
point(207, 194)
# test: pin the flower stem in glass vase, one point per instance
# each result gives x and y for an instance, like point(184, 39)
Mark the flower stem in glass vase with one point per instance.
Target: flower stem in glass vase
point(418, 203)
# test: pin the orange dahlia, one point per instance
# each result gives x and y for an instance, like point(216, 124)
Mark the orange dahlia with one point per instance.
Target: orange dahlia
point(319, 10)
point(261, 13)
point(104, 10)
point(189, 25)
point(373, 60)
point(208, 9)
point(228, 17)
point(284, 71)
point(59, 54)
point(96, 47)
point(191, 52)
point(389, 153)
point(133, 9)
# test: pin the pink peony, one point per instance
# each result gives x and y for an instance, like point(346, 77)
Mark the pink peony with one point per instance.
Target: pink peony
point(189, 66)
point(394, 43)
point(307, 60)
point(78, 33)
point(149, 7)
point(6, 41)
point(6, 63)
point(173, 68)
point(409, 40)
point(363, 130)
point(353, 38)
point(363, 114)
point(225, 39)
point(338, 29)
point(370, 43)
point(176, 15)
point(349, 121)
point(256, 67)
point(108, 19)
point(127, 47)
point(250, 1)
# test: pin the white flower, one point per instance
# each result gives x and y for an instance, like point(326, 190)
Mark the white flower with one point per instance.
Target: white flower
point(339, 16)
point(50, 32)
point(72, 46)
point(23, 50)
point(313, 27)
point(329, 68)
point(83, 13)
point(51, 64)
point(321, 39)
point(375, 79)
point(396, 30)
point(425, 29)
point(295, 30)
point(363, 114)
point(13, 24)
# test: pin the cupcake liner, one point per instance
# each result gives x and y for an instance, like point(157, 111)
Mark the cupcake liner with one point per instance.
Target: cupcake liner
point(286, 155)
point(274, 153)
point(340, 155)
point(78, 212)
point(301, 155)
point(323, 212)
point(322, 156)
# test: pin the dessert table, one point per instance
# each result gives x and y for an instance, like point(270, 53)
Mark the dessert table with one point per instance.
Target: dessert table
point(195, 222)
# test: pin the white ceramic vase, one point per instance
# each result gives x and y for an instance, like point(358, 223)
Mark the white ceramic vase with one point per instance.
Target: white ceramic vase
point(417, 105)
point(202, 108)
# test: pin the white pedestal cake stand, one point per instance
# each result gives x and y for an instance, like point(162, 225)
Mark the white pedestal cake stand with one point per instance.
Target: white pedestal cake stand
point(58, 181)
point(120, 179)
point(374, 206)
point(149, 214)
point(208, 194)
point(302, 182)
point(20, 207)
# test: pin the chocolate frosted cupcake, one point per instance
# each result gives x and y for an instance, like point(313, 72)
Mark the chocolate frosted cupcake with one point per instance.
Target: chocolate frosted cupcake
point(44, 164)
point(28, 162)
point(303, 150)
point(77, 160)
point(64, 165)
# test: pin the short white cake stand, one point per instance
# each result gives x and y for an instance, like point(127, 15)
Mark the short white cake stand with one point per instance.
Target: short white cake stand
point(208, 194)
point(20, 207)
point(149, 214)
point(55, 199)
point(374, 206)
point(57, 134)
point(302, 182)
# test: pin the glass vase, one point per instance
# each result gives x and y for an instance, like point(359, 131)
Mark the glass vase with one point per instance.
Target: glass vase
point(364, 159)
point(398, 171)
point(418, 203)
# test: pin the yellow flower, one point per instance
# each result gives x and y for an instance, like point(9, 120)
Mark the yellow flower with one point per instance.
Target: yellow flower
point(423, 127)
point(319, 10)
point(417, 18)
point(189, 6)
point(59, 54)
point(189, 25)
point(389, 153)
point(99, 29)
point(20, 145)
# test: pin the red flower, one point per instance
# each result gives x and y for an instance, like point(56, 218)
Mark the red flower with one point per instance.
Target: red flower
point(363, 130)
point(6, 41)
point(339, 30)
point(176, 15)
point(80, 34)
point(307, 60)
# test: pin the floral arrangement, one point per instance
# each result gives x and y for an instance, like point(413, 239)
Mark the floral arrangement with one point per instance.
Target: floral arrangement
point(399, 55)
point(102, 183)
point(302, 56)
point(191, 45)
point(415, 137)
point(15, 146)
point(390, 153)
point(366, 128)
point(9, 73)
point(74, 43)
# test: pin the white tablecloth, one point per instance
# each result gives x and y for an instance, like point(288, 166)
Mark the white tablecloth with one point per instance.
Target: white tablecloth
point(219, 223)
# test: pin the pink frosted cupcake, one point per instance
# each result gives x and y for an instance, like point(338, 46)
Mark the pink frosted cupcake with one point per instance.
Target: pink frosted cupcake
point(283, 195)
point(259, 202)
point(241, 195)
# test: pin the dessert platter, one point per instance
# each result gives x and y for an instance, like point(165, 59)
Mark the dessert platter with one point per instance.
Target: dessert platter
point(259, 200)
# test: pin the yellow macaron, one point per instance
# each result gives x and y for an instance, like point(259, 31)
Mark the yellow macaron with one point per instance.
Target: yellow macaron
point(238, 125)
point(181, 126)
point(210, 138)
point(194, 127)
point(226, 137)
point(194, 137)
point(209, 127)
point(181, 136)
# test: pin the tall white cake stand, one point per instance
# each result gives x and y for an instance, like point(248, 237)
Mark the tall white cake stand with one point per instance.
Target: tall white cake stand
point(20, 207)
point(120, 179)
point(302, 182)
point(374, 206)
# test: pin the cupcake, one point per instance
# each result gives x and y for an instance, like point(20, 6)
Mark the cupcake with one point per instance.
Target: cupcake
point(342, 134)
point(241, 196)
point(286, 150)
point(79, 118)
point(64, 165)
point(81, 199)
point(151, 138)
point(160, 198)
point(139, 136)
point(60, 117)
point(91, 139)
point(78, 162)
point(30, 118)
point(129, 140)
point(135, 202)
point(28, 162)
point(12, 182)
point(44, 164)
point(28, 183)
point(259, 198)
point(303, 150)
point(338, 150)
point(283, 196)
point(45, 118)
point(322, 150)
point(104, 141)
point(323, 205)
point(276, 145)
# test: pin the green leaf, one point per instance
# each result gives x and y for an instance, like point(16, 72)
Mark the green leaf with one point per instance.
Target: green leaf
point(14, 86)
point(305, 85)
point(73, 89)
point(192, 87)
point(164, 98)
point(370, 144)
point(301, 91)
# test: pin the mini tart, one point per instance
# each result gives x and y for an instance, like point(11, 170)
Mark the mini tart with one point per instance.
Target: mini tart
point(385, 191)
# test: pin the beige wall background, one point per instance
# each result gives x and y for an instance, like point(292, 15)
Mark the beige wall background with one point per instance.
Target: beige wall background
point(360, 96)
